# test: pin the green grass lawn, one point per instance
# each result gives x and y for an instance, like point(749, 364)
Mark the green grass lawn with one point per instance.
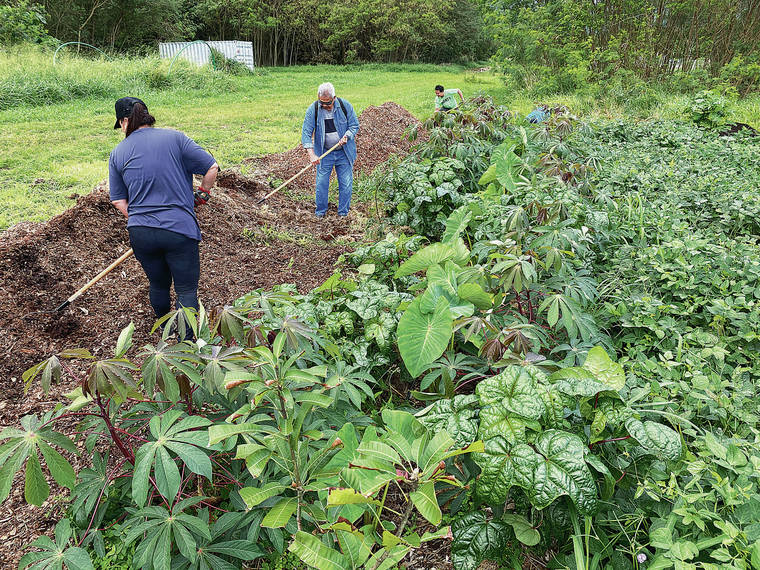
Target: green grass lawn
point(54, 145)
point(52, 151)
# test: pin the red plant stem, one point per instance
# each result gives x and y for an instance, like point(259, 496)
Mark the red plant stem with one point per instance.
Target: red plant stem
point(231, 476)
point(519, 304)
point(609, 440)
point(68, 415)
point(621, 477)
point(468, 381)
point(125, 450)
point(530, 306)
point(130, 434)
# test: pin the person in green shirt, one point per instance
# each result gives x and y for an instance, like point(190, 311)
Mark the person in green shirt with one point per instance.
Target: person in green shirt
point(444, 98)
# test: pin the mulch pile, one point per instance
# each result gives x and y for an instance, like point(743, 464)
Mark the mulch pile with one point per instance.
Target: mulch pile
point(245, 246)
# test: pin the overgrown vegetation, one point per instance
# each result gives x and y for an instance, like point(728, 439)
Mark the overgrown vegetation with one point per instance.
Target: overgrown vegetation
point(554, 355)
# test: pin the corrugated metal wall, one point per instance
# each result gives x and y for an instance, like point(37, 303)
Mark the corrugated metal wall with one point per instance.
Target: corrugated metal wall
point(199, 52)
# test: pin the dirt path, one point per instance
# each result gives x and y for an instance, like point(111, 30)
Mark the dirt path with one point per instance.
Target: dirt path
point(244, 247)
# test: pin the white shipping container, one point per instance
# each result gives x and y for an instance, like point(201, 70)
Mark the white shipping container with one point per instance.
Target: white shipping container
point(200, 54)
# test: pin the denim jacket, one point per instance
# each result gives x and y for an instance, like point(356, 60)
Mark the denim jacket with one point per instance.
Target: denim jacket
point(346, 122)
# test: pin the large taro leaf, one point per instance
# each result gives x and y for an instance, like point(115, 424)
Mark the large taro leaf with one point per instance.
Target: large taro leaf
point(474, 293)
point(504, 465)
point(604, 369)
point(561, 471)
point(456, 223)
point(422, 337)
point(430, 255)
point(429, 299)
point(458, 416)
point(445, 276)
point(477, 539)
point(655, 439)
point(510, 401)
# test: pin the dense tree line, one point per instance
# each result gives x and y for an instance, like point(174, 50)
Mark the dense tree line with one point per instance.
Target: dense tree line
point(597, 38)
point(283, 32)
point(561, 43)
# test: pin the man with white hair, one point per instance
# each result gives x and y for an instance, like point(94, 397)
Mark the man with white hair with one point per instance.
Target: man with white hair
point(331, 120)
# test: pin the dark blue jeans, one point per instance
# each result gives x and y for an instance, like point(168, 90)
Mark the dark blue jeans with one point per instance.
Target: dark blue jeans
point(167, 256)
point(338, 160)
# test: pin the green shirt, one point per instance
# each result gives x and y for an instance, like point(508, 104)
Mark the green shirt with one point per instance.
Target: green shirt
point(447, 100)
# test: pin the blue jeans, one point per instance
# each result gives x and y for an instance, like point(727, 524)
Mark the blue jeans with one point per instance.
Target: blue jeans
point(345, 172)
point(166, 256)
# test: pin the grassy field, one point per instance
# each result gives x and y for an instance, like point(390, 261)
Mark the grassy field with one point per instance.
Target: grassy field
point(55, 122)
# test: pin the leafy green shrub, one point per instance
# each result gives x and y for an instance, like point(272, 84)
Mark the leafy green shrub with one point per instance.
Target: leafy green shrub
point(707, 109)
point(547, 437)
point(743, 73)
point(21, 21)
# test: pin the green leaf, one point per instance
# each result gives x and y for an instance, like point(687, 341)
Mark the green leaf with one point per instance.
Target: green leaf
point(755, 555)
point(456, 223)
point(577, 381)
point(10, 468)
point(343, 496)
point(434, 451)
point(280, 514)
point(422, 338)
point(458, 416)
point(257, 461)
point(36, 489)
point(313, 552)
point(426, 502)
point(379, 451)
point(504, 465)
point(220, 432)
point(436, 253)
point(477, 539)
point(59, 468)
point(655, 438)
point(77, 559)
point(356, 547)
point(606, 371)
point(253, 496)
point(562, 471)
point(143, 462)
point(124, 343)
point(474, 293)
point(167, 474)
point(515, 389)
point(193, 458)
point(523, 530)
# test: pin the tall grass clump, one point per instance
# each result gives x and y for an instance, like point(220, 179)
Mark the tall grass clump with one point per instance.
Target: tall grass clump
point(29, 78)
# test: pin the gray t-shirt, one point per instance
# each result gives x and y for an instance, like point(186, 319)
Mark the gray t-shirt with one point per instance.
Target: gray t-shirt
point(331, 132)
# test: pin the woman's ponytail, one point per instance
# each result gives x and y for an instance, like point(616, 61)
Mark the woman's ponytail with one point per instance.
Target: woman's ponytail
point(139, 118)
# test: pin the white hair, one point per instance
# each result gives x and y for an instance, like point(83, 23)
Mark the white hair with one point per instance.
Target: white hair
point(326, 89)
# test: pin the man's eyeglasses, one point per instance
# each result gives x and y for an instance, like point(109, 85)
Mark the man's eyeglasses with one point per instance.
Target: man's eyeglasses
point(324, 104)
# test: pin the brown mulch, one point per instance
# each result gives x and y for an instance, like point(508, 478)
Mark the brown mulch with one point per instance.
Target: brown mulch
point(245, 246)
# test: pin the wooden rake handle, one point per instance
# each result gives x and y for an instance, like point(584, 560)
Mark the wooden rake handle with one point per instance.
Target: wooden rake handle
point(304, 169)
point(95, 279)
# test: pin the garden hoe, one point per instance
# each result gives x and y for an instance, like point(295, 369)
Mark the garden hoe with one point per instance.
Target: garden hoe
point(304, 169)
point(95, 279)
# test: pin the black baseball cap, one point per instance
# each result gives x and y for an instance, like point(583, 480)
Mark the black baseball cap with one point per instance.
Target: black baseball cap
point(124, 108)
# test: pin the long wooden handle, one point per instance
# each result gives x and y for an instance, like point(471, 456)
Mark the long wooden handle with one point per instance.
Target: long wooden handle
point(304, 169)
point(95, 279)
